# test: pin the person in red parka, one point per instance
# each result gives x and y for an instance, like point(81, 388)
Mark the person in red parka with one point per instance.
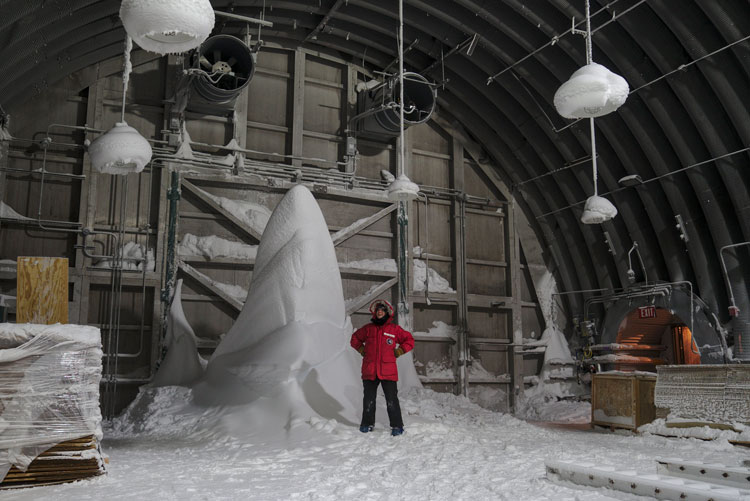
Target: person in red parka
point(380, 342)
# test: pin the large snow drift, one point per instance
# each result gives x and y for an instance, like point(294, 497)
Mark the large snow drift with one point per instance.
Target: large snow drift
point(287, 357)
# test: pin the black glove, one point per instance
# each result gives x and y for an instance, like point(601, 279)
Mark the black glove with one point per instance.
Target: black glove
point(361, 350)
point(399, 351)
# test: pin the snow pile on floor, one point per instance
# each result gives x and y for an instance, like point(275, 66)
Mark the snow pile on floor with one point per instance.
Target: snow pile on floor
point(553, 397)
point(212, 247)
point(132, 256)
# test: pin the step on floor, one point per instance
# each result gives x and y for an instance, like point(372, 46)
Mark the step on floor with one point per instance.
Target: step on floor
point(642, 484)
point(733, 476)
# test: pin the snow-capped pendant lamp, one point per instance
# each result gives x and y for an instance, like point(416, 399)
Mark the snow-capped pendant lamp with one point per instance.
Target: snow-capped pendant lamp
point(122, 150)
point(402, 189)
point(597, 210)
point(167, 26)
point(593, 90)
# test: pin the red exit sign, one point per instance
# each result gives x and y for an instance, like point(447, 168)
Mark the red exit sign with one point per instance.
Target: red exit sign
point(647, 312)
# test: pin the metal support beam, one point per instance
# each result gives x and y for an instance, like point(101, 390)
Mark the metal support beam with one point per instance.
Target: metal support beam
point(323, 22)
point(204, 197)
point(350, 231)
point(458, 222)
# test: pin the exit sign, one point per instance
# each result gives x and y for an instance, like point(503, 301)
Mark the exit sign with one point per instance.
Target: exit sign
point(647, 312)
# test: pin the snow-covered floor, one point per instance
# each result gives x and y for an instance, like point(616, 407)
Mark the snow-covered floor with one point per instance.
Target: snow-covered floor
point(452, 450)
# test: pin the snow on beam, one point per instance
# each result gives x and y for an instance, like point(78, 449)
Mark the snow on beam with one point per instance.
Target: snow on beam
point(203, 196)
point(642, 484)
point(201, 279)
point(363, 301)
point(348, 232)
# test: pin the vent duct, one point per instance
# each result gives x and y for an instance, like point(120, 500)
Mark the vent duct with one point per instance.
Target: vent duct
point(227, 66)
point(382, 104)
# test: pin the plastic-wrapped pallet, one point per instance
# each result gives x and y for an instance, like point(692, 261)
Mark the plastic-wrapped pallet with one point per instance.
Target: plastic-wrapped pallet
point(49, 389)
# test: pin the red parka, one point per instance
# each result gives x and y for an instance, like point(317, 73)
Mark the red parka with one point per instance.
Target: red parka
point(380, 342)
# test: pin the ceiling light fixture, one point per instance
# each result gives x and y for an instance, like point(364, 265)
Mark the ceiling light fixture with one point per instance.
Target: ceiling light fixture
point(122, 150)
point(402, 189)
point(167, 26)
point(591, 92)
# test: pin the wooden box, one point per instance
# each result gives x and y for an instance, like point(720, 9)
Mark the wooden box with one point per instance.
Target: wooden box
point(622, 400)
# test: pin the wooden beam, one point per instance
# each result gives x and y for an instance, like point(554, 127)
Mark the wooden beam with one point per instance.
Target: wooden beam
point(368, 298)
point(206, 198)
point(298, 107)
point(209, 285)
point(348, 232)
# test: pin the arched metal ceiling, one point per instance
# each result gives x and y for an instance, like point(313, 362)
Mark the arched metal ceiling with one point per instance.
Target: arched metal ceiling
point(687, 63)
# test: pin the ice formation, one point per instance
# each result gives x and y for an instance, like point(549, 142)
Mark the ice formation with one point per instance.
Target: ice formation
point(133, 255)
point(182, 364)
point(592, 91)
point(7, 211)
point(212, 246)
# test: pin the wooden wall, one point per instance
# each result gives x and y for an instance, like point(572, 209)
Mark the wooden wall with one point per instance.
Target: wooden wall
point(298, 105)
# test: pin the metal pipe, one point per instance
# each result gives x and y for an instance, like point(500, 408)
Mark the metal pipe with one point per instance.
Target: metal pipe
point(254, 20)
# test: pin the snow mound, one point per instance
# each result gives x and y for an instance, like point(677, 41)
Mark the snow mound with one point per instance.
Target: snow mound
point(287, 357)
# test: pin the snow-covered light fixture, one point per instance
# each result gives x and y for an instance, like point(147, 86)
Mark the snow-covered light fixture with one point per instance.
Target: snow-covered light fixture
point(167, 26)
point(122, 150)
point(402, 189)
point(597, 210)
point(592, 91)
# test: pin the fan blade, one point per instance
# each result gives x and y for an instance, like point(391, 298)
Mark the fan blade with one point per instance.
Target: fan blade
point(217, 56)
point(231, 61)
point(205, 63)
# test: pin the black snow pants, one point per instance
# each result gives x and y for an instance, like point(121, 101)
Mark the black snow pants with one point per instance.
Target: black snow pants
point(390, 389)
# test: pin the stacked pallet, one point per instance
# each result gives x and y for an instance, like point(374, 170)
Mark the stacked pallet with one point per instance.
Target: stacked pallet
point(50, 420)
point(704, 393)
point(65, 462)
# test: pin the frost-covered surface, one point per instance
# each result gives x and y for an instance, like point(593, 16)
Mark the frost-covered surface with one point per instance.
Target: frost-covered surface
point(440, 330)
point(121, 150)
point(182, 365)
point(384, 264)
point(436, 282)
point(237, 292)
point(183, 24)
point(8, 212)
point(212, 247)
point(597, 210)
point(551, 395)
point(592, 91)
point(253, 215)
point(132, 255)
point(452, 449)
point(49, 388)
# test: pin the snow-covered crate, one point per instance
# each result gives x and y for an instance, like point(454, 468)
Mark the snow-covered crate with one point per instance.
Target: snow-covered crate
point(622, 400)
point(49, 403)
point(705, 393)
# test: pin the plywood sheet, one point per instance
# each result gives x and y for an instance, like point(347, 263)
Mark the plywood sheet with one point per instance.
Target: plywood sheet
point(42, 290)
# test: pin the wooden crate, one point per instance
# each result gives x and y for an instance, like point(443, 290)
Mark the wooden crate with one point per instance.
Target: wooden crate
point(622, 400)
point(65, 462)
